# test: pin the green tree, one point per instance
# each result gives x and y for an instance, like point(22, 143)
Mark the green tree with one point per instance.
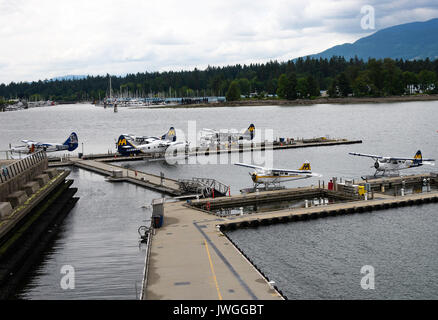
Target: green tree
point(344, 86)
point(361, 86)
point(233, 93)
point(287, 86)
point(375, 68)
point(245, 86)
point(282, 83)
point(333, 90)
point(393, 78)
point(312, 86)
point(301, 88)
point(410, 80)
point(427, 80)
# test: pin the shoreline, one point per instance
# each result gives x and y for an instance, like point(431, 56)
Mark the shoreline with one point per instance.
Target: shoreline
point(302, 102)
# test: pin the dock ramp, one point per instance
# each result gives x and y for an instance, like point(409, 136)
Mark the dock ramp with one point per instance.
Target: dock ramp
point(205, 186)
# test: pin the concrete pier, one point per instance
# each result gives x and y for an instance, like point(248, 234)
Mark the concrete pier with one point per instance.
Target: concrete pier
point(389, 182)
point(281, 216)
point(191, 259)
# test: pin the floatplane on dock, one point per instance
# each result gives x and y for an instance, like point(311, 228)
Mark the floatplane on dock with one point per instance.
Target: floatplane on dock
point(270, 176)
point(31, 146)
point(390, 166)
point(129, 145)
point(217, 137)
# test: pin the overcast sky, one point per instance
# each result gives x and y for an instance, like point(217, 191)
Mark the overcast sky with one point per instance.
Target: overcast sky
point(41, 39)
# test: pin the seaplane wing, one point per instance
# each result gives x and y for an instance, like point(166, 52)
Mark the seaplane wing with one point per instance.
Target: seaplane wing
point(251, 166)
point(268, 176)
point(366, 155)
point(417, 157)
point(207, 130)
point(304, 170)
point(385, 165)
point(409, 159)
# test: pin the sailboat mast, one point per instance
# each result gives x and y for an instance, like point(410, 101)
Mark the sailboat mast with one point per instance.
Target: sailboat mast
point(111, 92)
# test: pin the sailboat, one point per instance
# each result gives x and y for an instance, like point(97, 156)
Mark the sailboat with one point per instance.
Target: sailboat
point(109, 102)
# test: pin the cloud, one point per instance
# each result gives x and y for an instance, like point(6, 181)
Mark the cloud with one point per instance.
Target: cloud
point(47, 38)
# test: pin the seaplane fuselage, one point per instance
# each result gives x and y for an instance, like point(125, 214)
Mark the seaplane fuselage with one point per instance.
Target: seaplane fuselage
point(394, 164)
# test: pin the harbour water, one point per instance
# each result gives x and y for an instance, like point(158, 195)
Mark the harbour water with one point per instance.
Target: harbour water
point(313, 259)
point(99, 240)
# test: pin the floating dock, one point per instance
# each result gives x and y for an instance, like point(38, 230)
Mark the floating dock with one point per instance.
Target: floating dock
point(119, 174)
point(202, 151)
point(99, 163)
point(192, 258)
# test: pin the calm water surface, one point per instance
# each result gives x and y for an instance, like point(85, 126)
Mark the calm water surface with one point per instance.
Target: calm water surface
point(314, 259)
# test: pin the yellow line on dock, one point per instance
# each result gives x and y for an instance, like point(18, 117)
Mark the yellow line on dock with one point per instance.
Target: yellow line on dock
point(212, 270)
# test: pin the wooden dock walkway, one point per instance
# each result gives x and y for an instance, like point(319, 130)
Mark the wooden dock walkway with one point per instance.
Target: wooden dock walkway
point(147, 180)
point(200, 151)
point(255, 198)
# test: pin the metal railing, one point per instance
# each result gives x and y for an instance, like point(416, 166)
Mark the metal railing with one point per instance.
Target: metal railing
point(213, 184)
point(19, 166)
point(203, 186)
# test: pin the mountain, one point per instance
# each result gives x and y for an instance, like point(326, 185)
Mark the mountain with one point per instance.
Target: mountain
point(416, 40)
point(69, 77)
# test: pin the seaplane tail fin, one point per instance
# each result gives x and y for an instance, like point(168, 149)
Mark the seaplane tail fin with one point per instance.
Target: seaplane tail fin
point(72, 141)
point(250, 132)
point(125, 147)
point(305, 166)
point(170, 135)
point(418, 157)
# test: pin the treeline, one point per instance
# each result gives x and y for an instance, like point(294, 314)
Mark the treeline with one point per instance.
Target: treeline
point(300, 78)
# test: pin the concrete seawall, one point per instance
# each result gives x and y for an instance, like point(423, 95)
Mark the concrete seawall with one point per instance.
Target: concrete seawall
point(36, 201)
point(21, 172)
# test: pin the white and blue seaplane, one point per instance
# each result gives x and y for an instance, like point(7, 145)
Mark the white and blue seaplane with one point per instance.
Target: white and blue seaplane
point(392, 165)
point(270, 176)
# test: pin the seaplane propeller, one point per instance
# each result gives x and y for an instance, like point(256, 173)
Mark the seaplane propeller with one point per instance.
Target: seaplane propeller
point(376, 164)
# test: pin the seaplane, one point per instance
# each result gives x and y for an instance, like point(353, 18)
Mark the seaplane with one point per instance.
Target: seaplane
point(170, 135)
point(213, 136)
point(31, 146)
point(129, 145)
point(271, 176)
point(392, 165)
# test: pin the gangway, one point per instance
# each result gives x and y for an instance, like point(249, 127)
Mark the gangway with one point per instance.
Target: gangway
point(205, 186)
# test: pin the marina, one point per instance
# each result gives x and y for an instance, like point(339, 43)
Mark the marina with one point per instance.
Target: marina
point(192, 227)
point(218, 160)
point(99, 162)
